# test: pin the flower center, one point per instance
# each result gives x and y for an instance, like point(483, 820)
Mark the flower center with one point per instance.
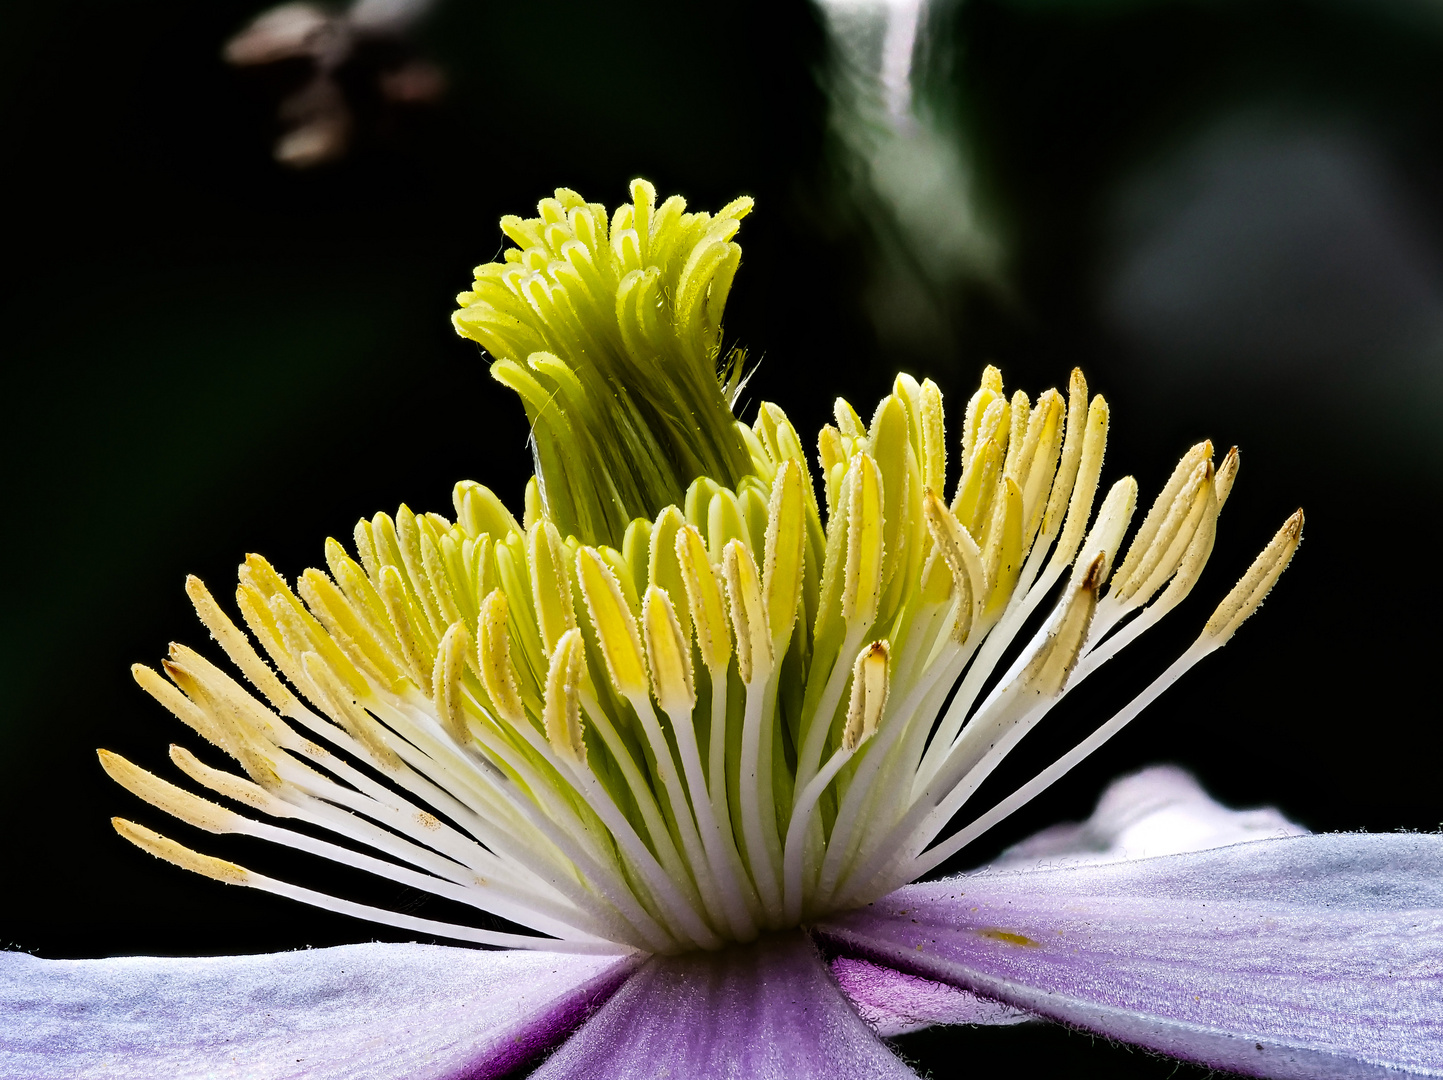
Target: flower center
point(685, 700)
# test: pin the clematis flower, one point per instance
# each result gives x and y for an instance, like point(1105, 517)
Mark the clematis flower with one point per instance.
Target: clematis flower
point(696, 722)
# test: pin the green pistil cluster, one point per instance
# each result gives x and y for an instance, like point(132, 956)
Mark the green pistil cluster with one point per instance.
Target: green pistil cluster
point(609, 327)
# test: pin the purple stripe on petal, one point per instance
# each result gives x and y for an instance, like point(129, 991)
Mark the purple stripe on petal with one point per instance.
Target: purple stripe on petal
point(368, 1012)
point(1312, 956)
point(894, 1003)
point(767, 1011)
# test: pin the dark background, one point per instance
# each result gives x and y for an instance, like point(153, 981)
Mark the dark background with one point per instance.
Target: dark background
point(1227, 213)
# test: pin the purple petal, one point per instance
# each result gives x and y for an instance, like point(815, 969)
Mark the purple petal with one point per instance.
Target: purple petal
point(378, 1011)
point(894, 1003)
point(1314, 956)
point(768, 1011)
point(1161, 810)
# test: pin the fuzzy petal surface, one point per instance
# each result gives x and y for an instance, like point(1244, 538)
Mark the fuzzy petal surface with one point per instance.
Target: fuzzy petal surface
point(894, 1002)
point(368, 1012)
point(1310, 956)
point(1160, 810)
point(768, 1011)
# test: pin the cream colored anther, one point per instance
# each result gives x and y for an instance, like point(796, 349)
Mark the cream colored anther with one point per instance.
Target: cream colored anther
point(1252, 589)
point(869, 694)
point(1110, 527)
point(177, 802)
point(1162, 506)
point(1047, 672)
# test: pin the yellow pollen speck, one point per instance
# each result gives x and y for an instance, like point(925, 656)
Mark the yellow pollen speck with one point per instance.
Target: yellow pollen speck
point(1009, 937)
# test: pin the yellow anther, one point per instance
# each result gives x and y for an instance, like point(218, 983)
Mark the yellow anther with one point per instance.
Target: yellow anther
point(933, 435)
point(869, 694)
point(848, 422)
point(446, 681)
point(562, 712)
point(1020, 411)
point(337, 701)
point(404, 625)
point(862, 585)
point(1252, 589)
point(664, 567)
point(832, 454)
point(177, 802)
point(480, 511)
point(1002, 549)
point(785, 552)
point(725, 522)
point(347, 629)
point(236, 646)
point(1037, 464)
point(550, 583)
point(1047, 672)
point(163, 847)
point(1071, 456)
point(1084, 484)
point(749, 613)
point(614, 623)
point(669, 654)
point(705, 597)
point(493, 655)
point(978, 489)
point(962, 557)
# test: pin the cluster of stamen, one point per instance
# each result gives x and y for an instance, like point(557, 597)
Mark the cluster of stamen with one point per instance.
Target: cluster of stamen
point(733, 720)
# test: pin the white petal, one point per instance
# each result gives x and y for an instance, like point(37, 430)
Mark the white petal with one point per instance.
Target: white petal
point(368, 1012)
point(1161, 810)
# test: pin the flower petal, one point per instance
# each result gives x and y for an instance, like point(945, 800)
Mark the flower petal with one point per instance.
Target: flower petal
point(894, 1003)
point(374, 1011)
point(1160, 810)
point(767, 1011)
point(1316, 956)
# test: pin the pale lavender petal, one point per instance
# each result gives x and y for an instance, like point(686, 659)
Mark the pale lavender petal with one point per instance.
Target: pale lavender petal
point(894, 1003)
point(1313, 956)
point(368, 1012)
point(1161, 810)
point(768, 1011)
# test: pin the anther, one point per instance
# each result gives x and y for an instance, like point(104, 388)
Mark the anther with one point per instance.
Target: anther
point(562, 713)
point(493, 655)
point(869, 695)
